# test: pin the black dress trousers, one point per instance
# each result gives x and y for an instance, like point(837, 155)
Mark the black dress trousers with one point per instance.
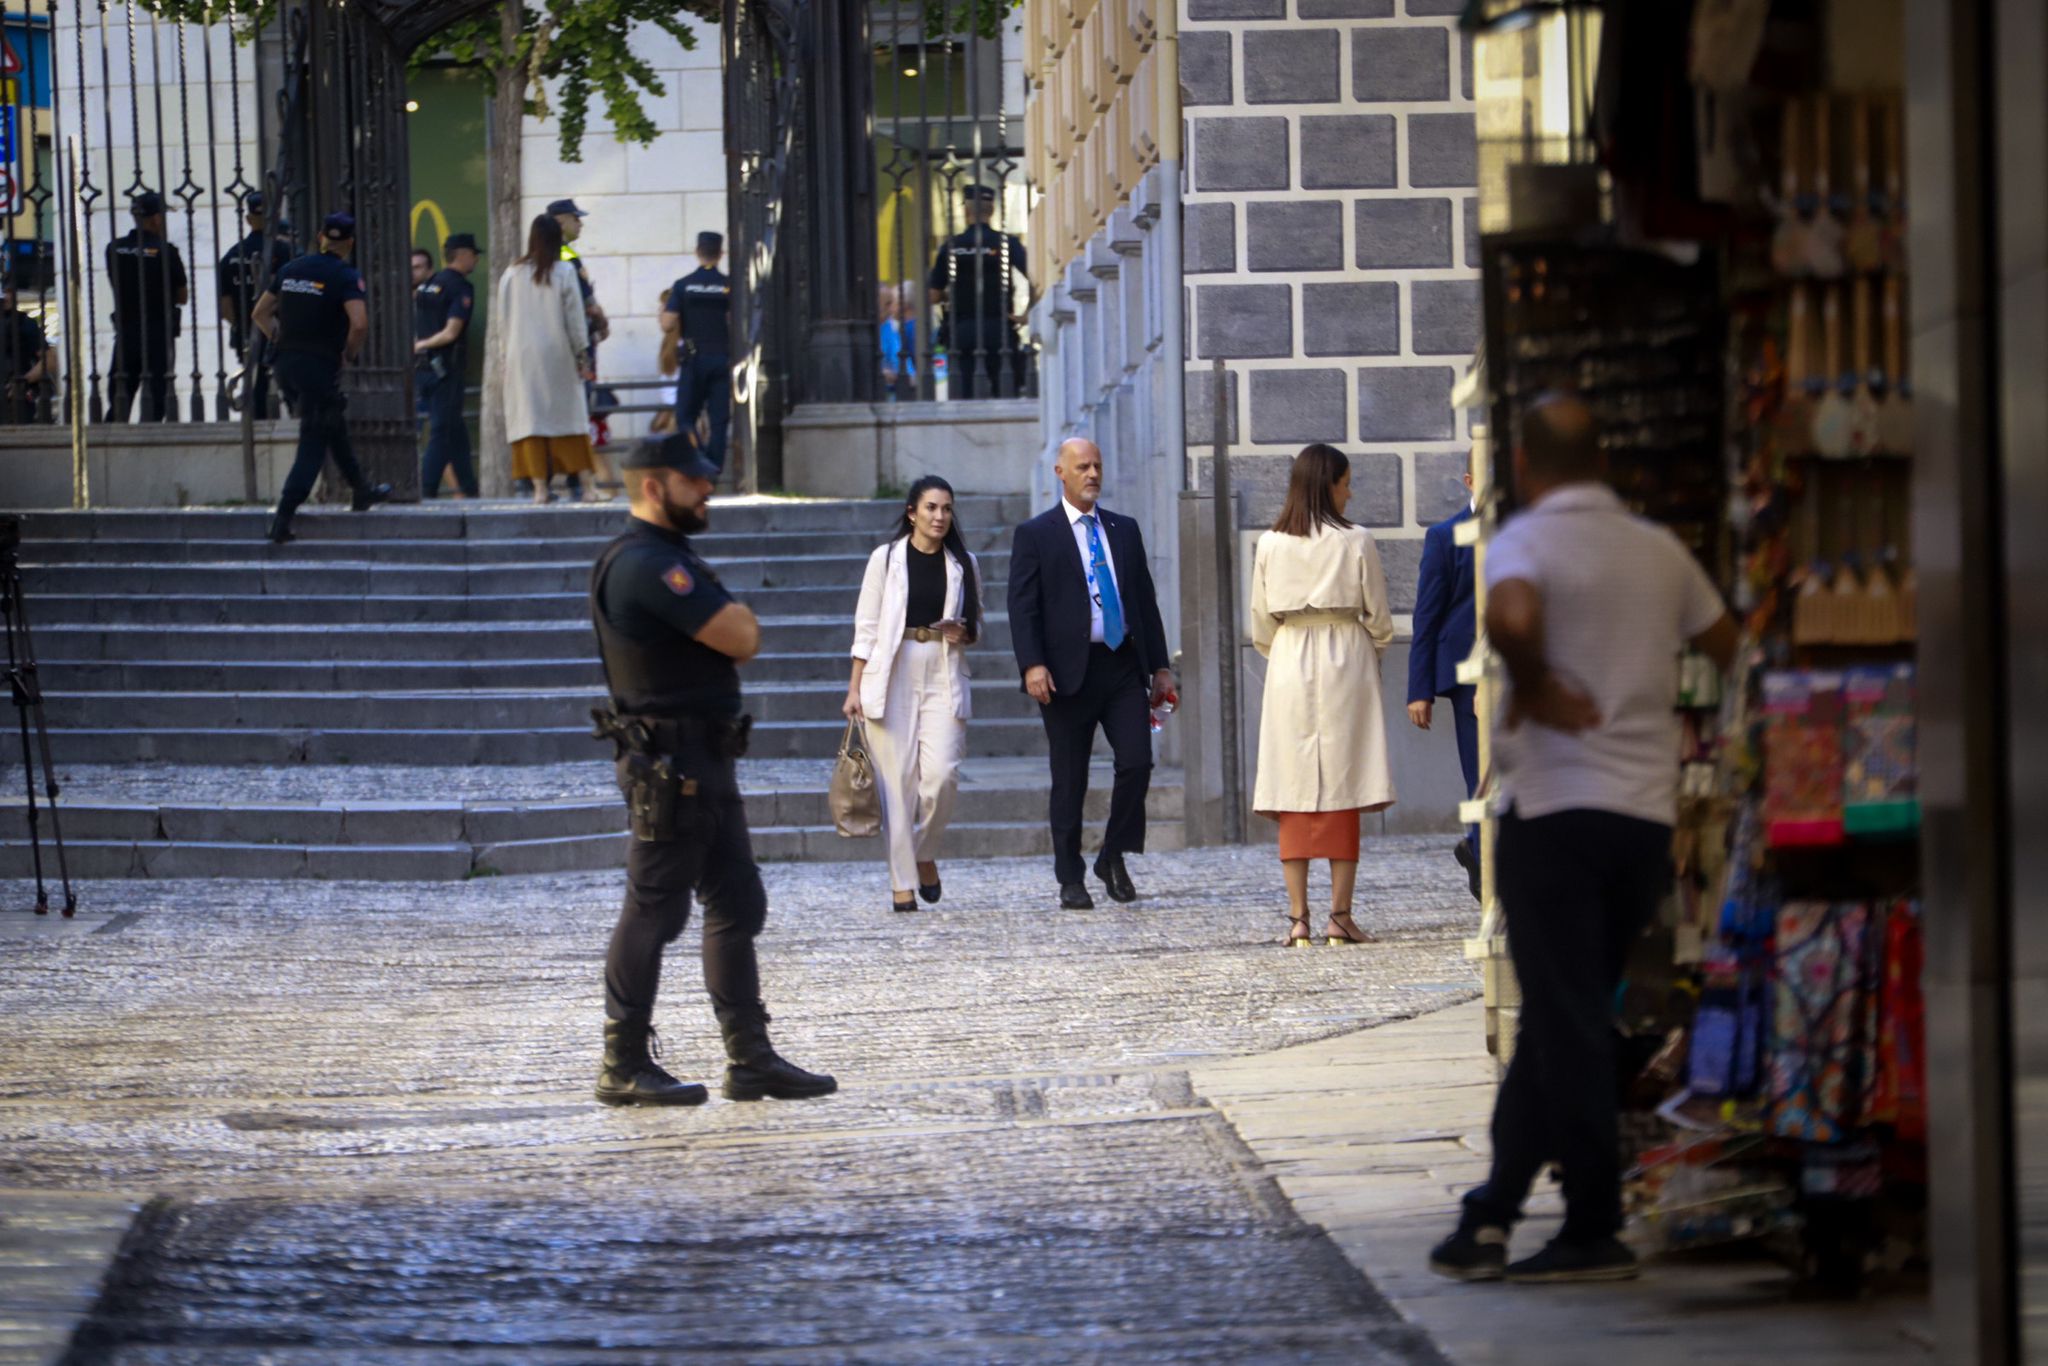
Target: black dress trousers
point(1114, 695)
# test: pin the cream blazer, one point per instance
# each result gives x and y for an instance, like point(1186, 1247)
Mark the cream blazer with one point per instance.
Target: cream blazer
point(1323, 730)
point(878, 625)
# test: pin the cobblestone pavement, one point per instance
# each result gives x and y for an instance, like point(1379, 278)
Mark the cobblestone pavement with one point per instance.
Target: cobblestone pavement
point(365, 1112)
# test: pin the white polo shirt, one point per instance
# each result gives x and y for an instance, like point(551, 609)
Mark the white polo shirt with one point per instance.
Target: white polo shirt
point(1621, 597)
point(1074, 516)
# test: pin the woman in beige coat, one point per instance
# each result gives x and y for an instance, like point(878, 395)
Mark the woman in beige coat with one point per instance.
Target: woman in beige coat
point(546, 338)
point(1320, 616)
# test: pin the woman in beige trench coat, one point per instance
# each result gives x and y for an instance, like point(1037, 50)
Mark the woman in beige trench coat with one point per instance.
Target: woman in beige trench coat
point(1320, 616)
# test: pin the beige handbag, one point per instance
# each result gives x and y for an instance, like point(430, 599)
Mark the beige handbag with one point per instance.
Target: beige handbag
point(855, 801)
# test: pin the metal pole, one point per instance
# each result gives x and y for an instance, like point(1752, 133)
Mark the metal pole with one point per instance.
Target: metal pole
point(74, 325)
point(1226, 614)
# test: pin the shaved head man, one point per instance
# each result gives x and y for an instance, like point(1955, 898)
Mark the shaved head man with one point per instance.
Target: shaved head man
point(1091, 647)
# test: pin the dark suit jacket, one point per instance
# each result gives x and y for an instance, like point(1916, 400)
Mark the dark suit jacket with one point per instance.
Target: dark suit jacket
point(1049, 597)
point(1443, 612)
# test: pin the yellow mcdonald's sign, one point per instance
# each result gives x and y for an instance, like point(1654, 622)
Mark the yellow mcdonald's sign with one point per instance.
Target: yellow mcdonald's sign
point(428, 208)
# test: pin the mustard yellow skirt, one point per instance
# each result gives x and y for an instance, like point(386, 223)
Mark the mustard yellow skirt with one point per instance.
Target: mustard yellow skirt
point(1318, 835)
point(537, 457)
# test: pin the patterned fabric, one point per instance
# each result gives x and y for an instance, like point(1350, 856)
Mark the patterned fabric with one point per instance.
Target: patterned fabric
point(1818, 1048)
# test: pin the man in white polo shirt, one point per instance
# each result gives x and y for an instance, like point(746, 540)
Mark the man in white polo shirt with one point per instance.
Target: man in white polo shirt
point(1589, 607)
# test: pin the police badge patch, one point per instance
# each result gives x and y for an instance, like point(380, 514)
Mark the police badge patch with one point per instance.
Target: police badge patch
point(679, 581)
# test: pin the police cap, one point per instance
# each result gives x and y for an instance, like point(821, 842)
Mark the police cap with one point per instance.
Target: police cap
point(254, 202)
point(676, 451)
point(711, 241)
point(566, 206)
point(147, 204)
point(460, 241)
point(979, 194)
point(339, 226)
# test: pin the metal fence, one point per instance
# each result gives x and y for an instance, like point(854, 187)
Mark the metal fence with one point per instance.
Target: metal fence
point(952, 200)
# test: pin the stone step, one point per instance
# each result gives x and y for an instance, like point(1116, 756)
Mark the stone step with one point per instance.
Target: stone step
point(107, 859)
point(715, 546)
point(506, 709)
point(542, 745)
point(493, 521)
point(47, 586)
point(298, 642)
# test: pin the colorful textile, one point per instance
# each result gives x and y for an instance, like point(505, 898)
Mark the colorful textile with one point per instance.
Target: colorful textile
point(1817, 1025)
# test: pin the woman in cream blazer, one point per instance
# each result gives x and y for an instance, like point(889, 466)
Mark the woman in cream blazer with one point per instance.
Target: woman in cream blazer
point(920, 608)
point(1320, 616)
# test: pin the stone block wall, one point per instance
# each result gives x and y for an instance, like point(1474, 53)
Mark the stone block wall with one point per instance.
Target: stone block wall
point(1331, 250)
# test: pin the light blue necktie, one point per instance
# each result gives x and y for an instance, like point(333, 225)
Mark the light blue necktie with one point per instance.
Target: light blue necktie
point(1105, 586)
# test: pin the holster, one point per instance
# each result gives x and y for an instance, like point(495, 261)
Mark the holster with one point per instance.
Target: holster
point(655, 787)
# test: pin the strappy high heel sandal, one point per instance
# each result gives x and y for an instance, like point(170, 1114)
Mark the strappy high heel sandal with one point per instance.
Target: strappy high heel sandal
point(1344, 930)
point(1297, 932)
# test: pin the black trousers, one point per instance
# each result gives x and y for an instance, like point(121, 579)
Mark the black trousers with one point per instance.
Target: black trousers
point(256, 375)
point(142, 364)
point(447, 434)
point(313, 384)
point(712, 858)
point(1114, 695)
point(1577, 888)
point(987, 351)
point(705, 386)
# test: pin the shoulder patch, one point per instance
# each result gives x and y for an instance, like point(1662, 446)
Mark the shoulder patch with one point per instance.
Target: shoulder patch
point(679, 581)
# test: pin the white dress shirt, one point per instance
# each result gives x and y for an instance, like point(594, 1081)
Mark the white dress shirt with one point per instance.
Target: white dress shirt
point(1074, 516)
point(1621, 597)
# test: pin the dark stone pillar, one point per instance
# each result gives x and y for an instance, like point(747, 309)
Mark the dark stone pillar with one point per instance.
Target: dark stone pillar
point(839, 363)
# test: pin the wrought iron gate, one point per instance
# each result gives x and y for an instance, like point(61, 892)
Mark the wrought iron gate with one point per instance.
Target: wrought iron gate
point(244, 122)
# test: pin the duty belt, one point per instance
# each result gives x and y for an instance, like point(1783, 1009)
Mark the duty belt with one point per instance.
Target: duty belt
point(666, 735)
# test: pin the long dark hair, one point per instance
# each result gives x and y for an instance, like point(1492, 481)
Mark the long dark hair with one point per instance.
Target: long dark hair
point(1309, 504)
point(970, 586)
point(543, 247)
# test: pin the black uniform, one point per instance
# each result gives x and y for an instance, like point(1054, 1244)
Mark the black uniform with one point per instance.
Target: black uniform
point(978, 269)
point(650, 595)
point(21, 347)
point(148, 275)
point(440, 376)
point(313, 292)
point(243, 273)
point(702, 299)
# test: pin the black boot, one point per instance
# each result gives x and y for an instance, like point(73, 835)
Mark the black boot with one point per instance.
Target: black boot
point(280, 529)
point(756, 1069)
point(369, 495)
point(630, 1075)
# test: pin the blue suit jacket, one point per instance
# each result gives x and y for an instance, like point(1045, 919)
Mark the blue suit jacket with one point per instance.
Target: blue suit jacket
point(1444, 620)
point(1049, 609)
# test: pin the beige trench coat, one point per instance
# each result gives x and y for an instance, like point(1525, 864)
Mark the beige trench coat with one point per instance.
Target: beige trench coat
point(545, 331)
point(1323, 732)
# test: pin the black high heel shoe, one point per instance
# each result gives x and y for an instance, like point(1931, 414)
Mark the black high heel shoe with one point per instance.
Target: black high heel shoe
point(896, 905)
point(930, 891)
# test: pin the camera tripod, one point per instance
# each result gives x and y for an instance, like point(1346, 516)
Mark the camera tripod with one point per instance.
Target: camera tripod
point(28, 705)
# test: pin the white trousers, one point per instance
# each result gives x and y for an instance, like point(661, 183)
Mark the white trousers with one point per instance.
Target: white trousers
point(916, 748)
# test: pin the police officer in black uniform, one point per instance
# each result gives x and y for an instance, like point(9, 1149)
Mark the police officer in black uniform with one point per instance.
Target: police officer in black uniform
point(699, 308)
point(672, 640)
point(315, 311)
point(148, 275)
point(441, 313)
point(27, 361)
point(974, 276)
point(243, 272)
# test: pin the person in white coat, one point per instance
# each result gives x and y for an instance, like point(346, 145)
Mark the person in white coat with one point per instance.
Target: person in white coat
point(547, 361)
point(1320, 616)
point(920, 608)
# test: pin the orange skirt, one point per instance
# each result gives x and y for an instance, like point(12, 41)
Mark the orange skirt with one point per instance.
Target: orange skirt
point(536, 457)
point(1319, 834)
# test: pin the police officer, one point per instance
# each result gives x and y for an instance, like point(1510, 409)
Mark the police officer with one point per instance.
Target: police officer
point(243, 272)
point(315, 312)
point(973, 276)
point(698, 310)
point(441, 312)
point(149, 290)
point(672, 640)
point(27, 361)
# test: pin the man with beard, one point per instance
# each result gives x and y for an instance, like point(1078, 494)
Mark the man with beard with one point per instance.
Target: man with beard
point(671, 640)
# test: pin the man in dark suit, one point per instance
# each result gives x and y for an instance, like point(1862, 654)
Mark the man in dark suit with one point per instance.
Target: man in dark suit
point(1085, 624)
point(1443, 638)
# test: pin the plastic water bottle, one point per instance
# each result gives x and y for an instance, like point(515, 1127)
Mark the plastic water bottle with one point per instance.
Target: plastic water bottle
point(1164, 710)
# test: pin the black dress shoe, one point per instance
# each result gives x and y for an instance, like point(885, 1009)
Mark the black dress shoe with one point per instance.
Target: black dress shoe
point(1074, 897)
point(369, 495)
point(896, 905)
point(930, 891)
point(1116, 879)
point(280, 532)
point(1462, 852)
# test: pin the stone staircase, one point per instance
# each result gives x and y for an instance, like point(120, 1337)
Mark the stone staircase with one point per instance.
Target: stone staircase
point(405, 694)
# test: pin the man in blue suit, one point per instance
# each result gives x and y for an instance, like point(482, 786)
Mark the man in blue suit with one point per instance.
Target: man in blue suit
point(1444, 625)
point(1091, 646)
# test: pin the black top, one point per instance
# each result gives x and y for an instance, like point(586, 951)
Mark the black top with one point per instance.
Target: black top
point(970, 265)
point(148, 273)
point(242, 273)
point(312, 294)
point(927, 602)
point(652, 596)
point(448, 294)
point(21, 343)
point(701, 297)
